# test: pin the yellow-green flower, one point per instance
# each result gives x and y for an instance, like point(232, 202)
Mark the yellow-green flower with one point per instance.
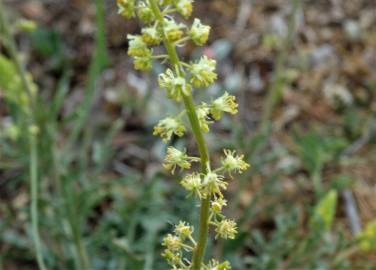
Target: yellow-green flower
point(225, 103)
point(173, 30)
point(183, 230)
point(199, 33)
point(137, 46)
point(144, 63)
point(203, 72)
point(202, 115)
point(192, 183)
point(150, 36)
point(184, 7)
point(234, 163)
point(218, 204)
point(173, 258)
point(167, 127)
point(175, 157)
point(213, 184)
point(175, 85)
point(172, 242)
point(126, 7)
point(145, 13)
point(226, 229)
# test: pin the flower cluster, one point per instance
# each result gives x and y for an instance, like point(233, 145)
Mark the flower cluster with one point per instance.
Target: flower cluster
point(226, 228)
point(177, 243)
point(179, 82)
point(203, 72)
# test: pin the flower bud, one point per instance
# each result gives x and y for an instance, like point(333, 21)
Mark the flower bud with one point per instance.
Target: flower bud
point(151, 36)
point(225, 103)
point(199, 33)
point(126, 8)
point(184, 7)
point(143, 63)
point(145, 13)
point(203, 72)
point(217, 205)
point(172, 258)
point(137, 46)
point(173, 31)
point(172, 242)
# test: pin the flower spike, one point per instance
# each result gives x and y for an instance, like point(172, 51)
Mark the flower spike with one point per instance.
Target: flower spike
point(179, 81)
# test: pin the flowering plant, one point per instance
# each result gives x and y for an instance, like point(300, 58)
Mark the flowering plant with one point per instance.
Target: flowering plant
point(179, 81)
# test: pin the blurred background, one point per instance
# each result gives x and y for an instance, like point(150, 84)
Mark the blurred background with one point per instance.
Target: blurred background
point(304, 73)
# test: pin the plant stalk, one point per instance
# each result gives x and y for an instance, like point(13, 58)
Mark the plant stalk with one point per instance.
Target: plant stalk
point(276, 88)
point(10, 46)
point(199, 251)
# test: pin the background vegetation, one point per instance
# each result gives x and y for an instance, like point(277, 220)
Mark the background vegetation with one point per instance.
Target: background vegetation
point(304, 73)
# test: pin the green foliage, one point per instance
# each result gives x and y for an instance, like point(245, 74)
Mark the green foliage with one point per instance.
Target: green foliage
point(315, 150)
point(324, 212)
point(287, 248)
point(367, 237)
point(11, 84)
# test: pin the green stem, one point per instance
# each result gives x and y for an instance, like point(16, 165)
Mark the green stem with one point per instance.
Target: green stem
point(276, 88)
point(34, 199)
point(199, 252)
point(10, 46)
